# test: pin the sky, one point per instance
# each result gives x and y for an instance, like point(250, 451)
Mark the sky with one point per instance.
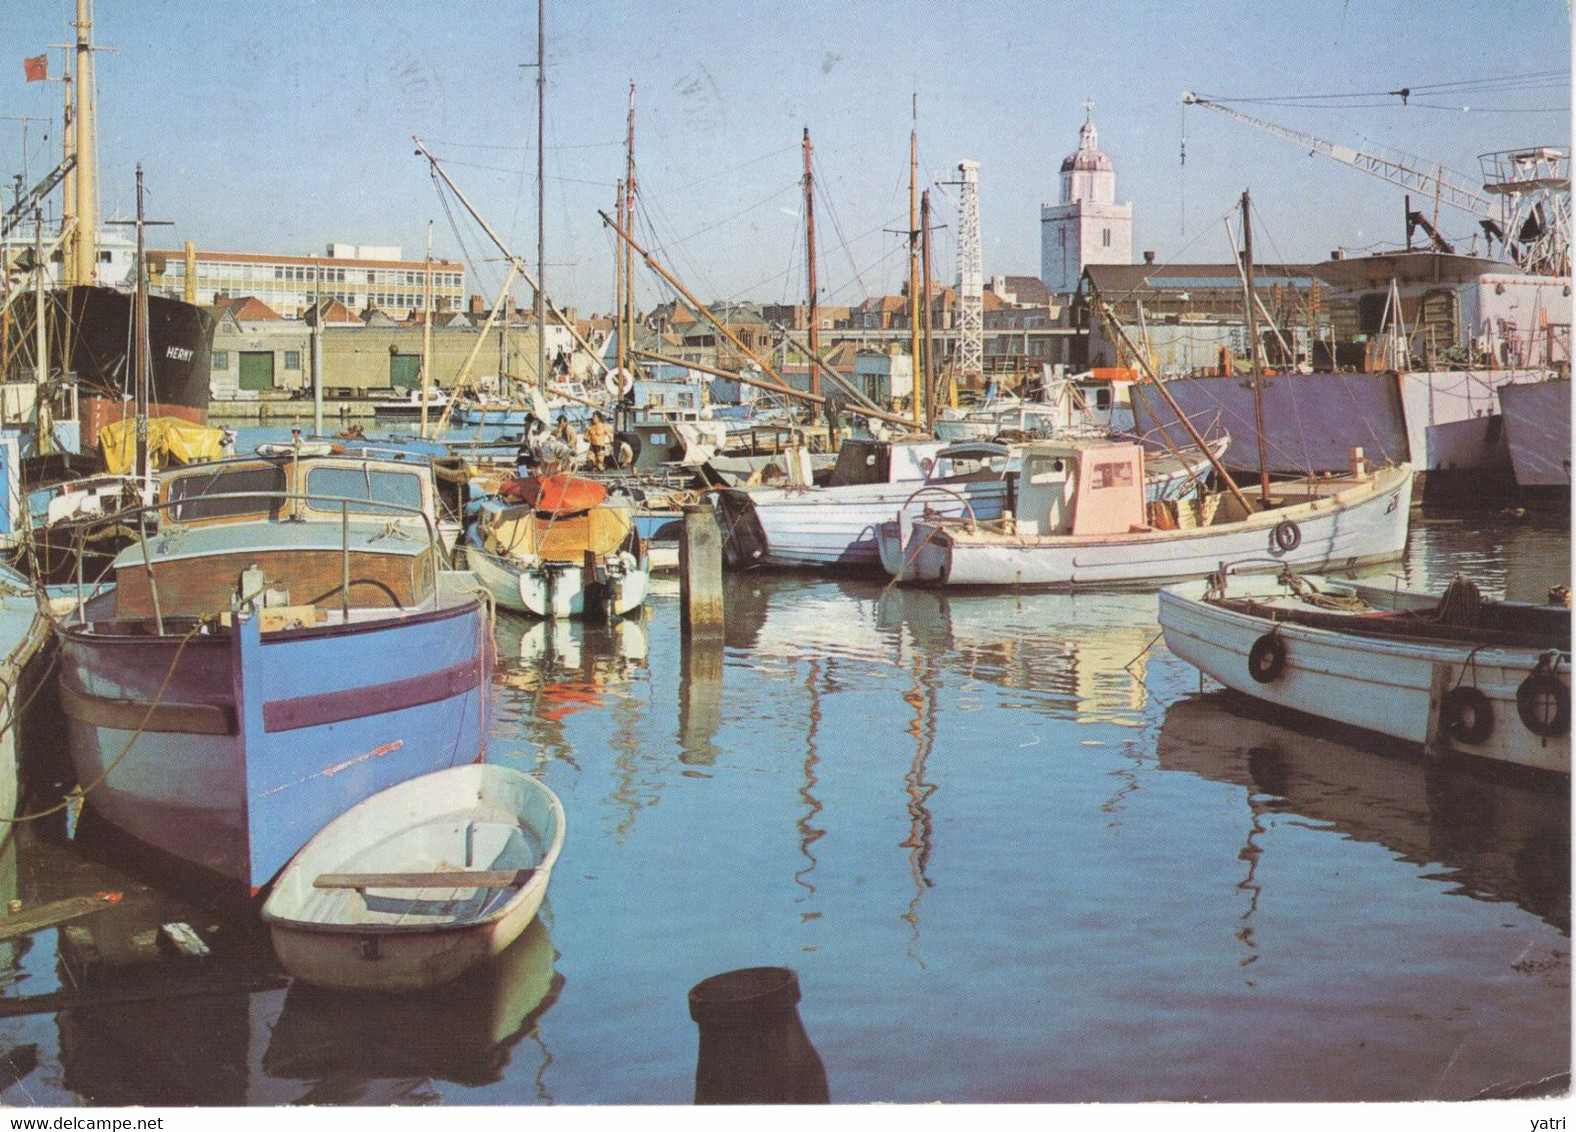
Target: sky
point(281, 127)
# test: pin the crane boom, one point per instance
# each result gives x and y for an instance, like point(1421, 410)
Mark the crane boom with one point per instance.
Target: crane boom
point(15, 214)
point(1412, 173)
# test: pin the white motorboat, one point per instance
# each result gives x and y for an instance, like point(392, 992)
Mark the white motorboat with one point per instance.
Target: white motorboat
point(1455, 674)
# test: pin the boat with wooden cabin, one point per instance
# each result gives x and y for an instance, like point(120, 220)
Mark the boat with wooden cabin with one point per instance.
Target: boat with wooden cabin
point(414, 886)
point(292, 640)
point(1457, 674)
point(1081, 520)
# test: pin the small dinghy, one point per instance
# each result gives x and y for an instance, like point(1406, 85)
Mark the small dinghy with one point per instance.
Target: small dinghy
point(419, 883)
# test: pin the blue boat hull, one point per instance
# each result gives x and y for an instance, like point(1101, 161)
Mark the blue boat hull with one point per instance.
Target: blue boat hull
point(231, 751)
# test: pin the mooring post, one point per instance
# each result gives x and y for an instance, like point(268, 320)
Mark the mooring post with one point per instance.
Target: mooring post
point(753, 1046)
point(700, 571)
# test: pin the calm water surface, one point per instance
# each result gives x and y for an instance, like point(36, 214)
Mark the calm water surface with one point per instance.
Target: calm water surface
point(1011, 849)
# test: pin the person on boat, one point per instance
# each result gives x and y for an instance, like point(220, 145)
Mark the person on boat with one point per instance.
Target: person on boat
point(600, 438)
point(565, 432)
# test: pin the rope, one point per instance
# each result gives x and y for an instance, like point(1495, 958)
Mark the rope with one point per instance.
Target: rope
point(80, 792)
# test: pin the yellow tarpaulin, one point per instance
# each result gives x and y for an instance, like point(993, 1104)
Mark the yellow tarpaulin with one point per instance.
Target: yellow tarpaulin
point(170, 439)
point(601, 530)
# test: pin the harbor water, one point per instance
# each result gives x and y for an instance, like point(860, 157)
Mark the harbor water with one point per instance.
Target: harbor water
point(1012, 850)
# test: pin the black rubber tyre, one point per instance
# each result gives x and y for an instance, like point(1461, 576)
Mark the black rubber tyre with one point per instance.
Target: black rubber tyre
point(1267, 658)
point(1466, 715)
point(1287, 535)
point(1544, 704)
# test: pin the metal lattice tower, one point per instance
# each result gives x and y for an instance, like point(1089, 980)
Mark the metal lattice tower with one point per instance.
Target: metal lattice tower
point(971, 278)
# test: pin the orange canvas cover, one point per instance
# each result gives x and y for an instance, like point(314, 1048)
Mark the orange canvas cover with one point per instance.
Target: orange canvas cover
point(554, 495)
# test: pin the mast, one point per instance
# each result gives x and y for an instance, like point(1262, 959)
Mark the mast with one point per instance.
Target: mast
point(541, 199)
point(85, 241)
point(1253, 348)
point(930, 361)
point(626, 328)
point(426, 335)
point(317, 348)
point(41, 340)
point(140, 339)
point(618, 287)
point(913, 268)
point(811, 321)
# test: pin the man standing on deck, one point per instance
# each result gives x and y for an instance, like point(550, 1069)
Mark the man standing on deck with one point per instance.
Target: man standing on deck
point(600, 438)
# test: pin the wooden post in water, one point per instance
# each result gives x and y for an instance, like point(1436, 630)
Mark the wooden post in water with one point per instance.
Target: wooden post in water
point(700, 571)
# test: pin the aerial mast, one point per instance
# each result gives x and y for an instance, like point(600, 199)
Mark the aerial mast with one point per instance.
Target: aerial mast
point(971, 280)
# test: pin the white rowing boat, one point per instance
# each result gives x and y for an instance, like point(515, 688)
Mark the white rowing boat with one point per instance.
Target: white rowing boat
point(419, 883)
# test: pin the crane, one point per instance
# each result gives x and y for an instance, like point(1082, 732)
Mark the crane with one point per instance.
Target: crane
point(1525, 203)
point(25, 201)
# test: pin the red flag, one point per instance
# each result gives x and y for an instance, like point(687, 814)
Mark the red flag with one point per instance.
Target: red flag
point(37, 68)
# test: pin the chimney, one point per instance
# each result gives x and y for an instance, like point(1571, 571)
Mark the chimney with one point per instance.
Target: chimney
point(1149, 257)
point(476, 305)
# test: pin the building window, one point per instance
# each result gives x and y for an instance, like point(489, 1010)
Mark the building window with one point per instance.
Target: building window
point(292, 359)
point(221, 359)
point(1105, 237)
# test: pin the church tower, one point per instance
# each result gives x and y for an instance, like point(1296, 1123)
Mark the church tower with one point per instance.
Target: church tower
point(1087, 226)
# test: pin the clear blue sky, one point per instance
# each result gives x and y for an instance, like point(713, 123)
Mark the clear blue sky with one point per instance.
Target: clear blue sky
point(282, 126)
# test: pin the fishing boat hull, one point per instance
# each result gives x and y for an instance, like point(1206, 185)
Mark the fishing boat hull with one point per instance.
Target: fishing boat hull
point(477, 819)
point(1537, 418)
point(180, 355)
point(555, 590)
point(1402, 688)
point(1363, 525)
point(837, 528)
point(230, 748)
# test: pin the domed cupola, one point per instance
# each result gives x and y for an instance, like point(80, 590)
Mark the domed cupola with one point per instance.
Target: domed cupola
point(1087, 172)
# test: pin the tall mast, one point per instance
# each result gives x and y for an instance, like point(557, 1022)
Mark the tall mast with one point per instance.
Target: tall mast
point(541, 198)
point(68, 187)
point(426, 335)
point(621, 346)
point(930, 362)
point(1253, 348)
point(86, 239)
point(41, 340)
point(626, 314)
point(913, 266)
point(811, 321)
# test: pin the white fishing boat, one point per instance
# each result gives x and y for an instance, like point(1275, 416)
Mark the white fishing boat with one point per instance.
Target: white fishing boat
point(835, 525)
point(417, 884)
point(1081, 521)
point(1167, 476)
point(549, 546)
point(1456, 674)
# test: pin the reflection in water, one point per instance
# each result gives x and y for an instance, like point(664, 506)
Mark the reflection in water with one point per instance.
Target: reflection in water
point(155, 1039)
point(1495, 836)
point(809, 833)
point(922, 699)
point(700, 698)
point(342, 1045)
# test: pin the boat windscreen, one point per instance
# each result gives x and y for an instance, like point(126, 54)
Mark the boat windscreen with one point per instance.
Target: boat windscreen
point(371, 488)
point(213, 495)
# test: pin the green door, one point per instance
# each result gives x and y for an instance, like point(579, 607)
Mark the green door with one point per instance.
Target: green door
point(257, 370)
point(404, 371)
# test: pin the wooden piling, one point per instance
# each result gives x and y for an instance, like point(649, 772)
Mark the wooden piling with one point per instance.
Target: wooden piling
point(700, 571)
